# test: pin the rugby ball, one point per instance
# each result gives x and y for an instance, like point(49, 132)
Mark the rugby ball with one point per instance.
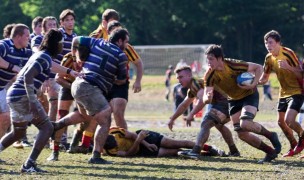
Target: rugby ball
point(245, 79)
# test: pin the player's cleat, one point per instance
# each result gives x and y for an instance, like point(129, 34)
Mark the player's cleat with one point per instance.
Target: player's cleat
point(54, 156)
point(98, 161)
point(234, 154)
point(268, 158)
point(18, 145)
point(64, 147)
point(214, 151)
point(2, 161)
point(188, 154)
point(78, 149)
point(290, 153)
point(32, 168)
point(299, 148)
point(275, 142)
point(26, 144)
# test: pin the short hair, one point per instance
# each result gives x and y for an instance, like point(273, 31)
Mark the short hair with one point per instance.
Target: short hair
point(110, 142)
point(274, 35)
point(18, 30)
point(84, 52)
point(110, 14)
point(45, 20)
point(112, 25)
point(51, 41)
point(118, 33)
point(37, 20)
point(7, 30)
point(183, 68)
point(215, 50)
point(65, 13)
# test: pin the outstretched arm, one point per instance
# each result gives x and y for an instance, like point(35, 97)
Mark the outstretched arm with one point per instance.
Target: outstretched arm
point(139, 73)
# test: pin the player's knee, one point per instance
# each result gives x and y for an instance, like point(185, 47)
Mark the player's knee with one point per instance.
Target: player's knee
point(210, 120)
point(45, 125)
point(247, 116)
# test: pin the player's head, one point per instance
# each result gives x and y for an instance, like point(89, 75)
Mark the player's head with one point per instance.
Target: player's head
point(214, 55)
point(37, 25)
point(20, 35)
point(52, 42)
point(109, 15)
point(110, 142)
point(48, 23)
point(113, 25)
point(67, 19)
point(7, 30)
point(119, 37)
point(184, 75)
point(272, 40)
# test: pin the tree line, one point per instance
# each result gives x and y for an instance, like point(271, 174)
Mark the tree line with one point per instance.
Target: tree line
point(238, 25)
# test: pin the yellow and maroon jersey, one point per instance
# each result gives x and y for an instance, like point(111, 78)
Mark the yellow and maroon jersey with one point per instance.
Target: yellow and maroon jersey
point(67, 61)
point(289, 84)
point(225, 80)
point(197, 84)
point(123, 144)
point(100, 32)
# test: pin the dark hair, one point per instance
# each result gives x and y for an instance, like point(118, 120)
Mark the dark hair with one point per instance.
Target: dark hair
point(183, 68)
point(65, 13)
point(37, 20)
point(51, 41)
point(274, 35)
point(45, 20)
point(7, 30)
point(110, 14)
point(216, 50)
point(84, 52)
point(110, 142)
point(18, 30)
point(118, 33)
point(112, 25)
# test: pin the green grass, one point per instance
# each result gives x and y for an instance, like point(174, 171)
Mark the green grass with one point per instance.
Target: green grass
point(148, 110)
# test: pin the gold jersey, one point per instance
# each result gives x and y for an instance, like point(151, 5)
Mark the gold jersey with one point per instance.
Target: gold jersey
point(225, 80)
point(289, 84)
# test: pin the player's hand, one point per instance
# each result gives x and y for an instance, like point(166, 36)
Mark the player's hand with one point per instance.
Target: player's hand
point(142, 135)
point(136, 87)
point(152, 147)
point(283, 64)
point(188, 121)
point(170, 124)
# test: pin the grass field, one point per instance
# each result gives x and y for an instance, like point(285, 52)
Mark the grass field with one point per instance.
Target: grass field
point(149, 110)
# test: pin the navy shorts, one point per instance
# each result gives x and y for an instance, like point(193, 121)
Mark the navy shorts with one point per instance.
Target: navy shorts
point(153, 138)
point(65, 94)
point(293, 102)
point(119, 91)
point(221, 107)
point(237, 105)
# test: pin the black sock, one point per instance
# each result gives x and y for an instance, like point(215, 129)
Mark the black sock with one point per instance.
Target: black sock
point(233, 149)
point(96, 154)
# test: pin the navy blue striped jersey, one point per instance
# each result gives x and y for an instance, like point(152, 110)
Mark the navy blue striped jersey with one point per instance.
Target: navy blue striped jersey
point(105, 63)
point(15, 56)
point(42, 62)
point(67, 43)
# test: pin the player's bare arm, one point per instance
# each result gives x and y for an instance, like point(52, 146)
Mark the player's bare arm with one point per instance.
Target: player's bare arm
point(139, 73)
point(179, 111)
point(208, 95)
point(199, 106)
point(64, 83)
point(6, 65)
point(264, 78)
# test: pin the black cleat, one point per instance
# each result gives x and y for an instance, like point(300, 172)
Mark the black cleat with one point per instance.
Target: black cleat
point(268, 158)
point(31, 169)
point(98, 161)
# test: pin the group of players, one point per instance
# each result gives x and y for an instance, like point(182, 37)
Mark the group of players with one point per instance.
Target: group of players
point(93, 72)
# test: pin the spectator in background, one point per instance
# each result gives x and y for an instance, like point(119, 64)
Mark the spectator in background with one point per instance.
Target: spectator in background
point(36, 26)
point(168, 79)
point(7, 30)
